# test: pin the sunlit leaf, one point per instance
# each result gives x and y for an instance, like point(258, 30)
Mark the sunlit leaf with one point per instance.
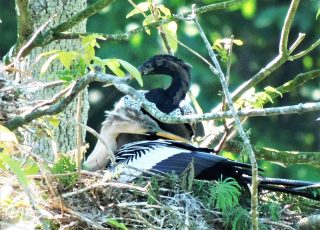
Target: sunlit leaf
point(141, 7)
point(272, 90)
point(170, 30)
point(238, 42)
point(47, 63)
point(148, 20)
point(132, 70)
point(91, 40)
point(114, 66)
point(15, 167)
point(318, 13)
point(54, 120)
point(30, 167)
point(66, 58)
point(116, 224)
point(248, 8)
point(164, 10)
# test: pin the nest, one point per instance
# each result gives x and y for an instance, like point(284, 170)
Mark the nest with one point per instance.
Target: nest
point(96, 201)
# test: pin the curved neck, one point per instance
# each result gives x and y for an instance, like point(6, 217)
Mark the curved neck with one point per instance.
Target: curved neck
point(179, 85)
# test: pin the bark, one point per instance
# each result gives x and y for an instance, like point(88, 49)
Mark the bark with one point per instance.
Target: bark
point(39, 12)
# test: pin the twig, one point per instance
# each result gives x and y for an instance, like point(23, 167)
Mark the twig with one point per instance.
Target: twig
point(218, 71)
point(304, 52)
point(278, 224)
point(111, 184)
point(83, 218)
point(97, 135)
point(79, 134)
point(283, 45)
point(26, 46)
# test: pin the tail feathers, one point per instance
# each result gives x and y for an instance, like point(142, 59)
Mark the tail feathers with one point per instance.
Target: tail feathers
point(295, 187)
point(287, 182)
point(314, 195)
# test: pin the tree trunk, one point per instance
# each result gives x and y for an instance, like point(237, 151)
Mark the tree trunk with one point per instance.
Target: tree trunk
point(32, 15)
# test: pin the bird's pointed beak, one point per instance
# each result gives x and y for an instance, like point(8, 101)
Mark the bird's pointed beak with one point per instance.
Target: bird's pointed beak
point(171, 136)
point(168, 135)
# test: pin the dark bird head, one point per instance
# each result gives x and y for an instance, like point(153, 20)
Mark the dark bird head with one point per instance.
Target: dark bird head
point(168, 99)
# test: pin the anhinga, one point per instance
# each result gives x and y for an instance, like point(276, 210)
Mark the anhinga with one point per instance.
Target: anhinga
point(167, 156)
point(170, 100)
point(122, 120)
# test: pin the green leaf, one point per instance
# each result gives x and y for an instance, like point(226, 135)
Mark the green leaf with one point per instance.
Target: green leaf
point(91, 40)
point(248, 8)
point(66, 58)
point(114, 223)
point(148, 20)
point(132, 70)
point(170, 30)
point(141, 7)
point(30, 167)
point(318, 13)
point(114, 66)
point(164, 10)
point(45, 65)
point(54, 120)
point(15, 168)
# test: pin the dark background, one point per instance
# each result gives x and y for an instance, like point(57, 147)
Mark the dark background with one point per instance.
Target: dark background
point(258, 24)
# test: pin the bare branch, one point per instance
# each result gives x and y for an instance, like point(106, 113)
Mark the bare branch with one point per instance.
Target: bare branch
point(305, 52)
point(283, 46)
point(254, 166)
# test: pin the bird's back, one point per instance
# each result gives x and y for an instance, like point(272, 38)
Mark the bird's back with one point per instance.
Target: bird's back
point(170, 156)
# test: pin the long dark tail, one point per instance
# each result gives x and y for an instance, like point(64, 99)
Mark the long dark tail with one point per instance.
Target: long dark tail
point(296, 187)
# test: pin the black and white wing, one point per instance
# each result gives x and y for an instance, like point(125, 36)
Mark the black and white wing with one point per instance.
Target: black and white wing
point(170, 156)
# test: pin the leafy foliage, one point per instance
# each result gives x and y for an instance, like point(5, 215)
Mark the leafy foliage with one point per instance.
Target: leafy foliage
point(237, 218)
point(222, 47)
point(223, 194)
point(65, 165)
point(271, 209)
point(156, 13)
point(76, 63)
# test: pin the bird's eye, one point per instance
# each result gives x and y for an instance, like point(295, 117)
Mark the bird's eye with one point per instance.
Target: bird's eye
point(148, 65)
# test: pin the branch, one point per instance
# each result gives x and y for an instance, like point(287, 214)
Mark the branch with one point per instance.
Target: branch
point(57, 105)
point(280, 59)
point(305, 52)
point(59, 32)
point(285, 158)
point(299, 80)
point(283, 46)
point(254, 167)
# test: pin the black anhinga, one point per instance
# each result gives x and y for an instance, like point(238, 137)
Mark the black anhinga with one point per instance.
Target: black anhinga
point(170, 100)
point(167, 156)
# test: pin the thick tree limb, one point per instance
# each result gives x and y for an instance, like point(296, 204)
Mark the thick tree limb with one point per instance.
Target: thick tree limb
point(57, 105)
